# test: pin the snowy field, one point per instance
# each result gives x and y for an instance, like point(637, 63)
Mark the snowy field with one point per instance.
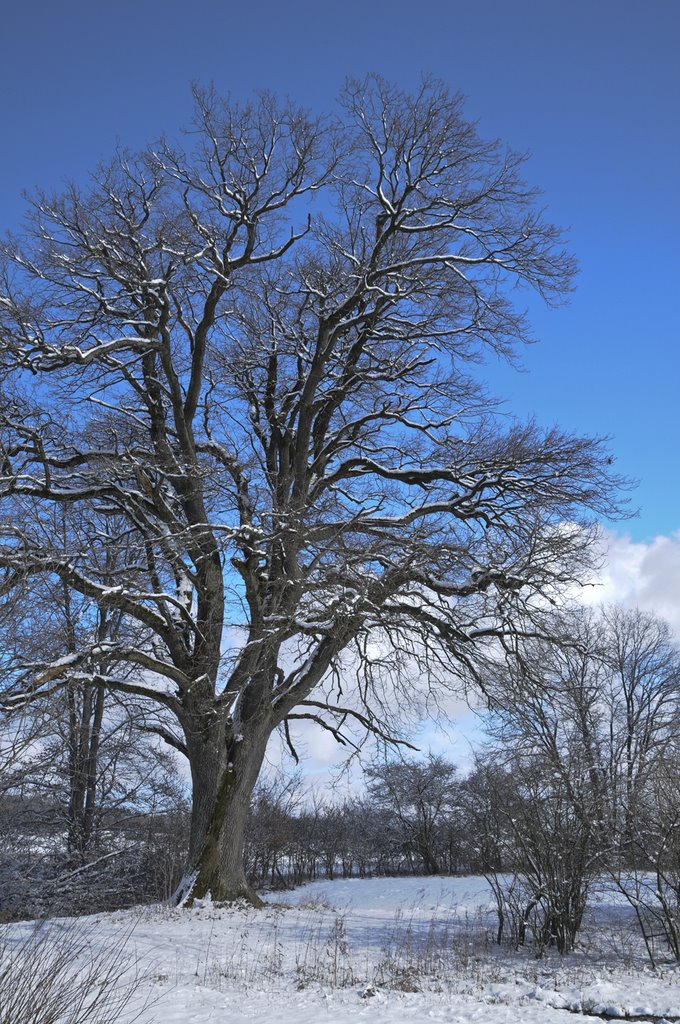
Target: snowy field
point(388, 951)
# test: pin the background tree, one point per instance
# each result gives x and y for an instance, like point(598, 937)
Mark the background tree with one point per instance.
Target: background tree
point(420, 798)
point(546, 852)
point(648, 873)
point(597, 699)
point(248, 359)
point(585, 725)
point(81, 783)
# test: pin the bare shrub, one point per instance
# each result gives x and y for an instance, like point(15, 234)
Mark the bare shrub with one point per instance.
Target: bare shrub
point(56, 975)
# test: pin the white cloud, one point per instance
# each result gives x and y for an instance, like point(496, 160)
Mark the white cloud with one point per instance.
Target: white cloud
point(640, 574)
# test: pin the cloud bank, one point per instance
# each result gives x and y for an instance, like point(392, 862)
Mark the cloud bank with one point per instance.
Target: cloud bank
point(640, 574)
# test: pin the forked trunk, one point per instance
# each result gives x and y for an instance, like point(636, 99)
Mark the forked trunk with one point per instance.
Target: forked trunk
point(222, 790)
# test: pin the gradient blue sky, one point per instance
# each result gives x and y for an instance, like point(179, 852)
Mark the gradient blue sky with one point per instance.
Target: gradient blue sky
point(591, 88)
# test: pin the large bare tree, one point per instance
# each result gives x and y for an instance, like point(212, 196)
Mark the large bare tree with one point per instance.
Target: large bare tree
point(252, 359)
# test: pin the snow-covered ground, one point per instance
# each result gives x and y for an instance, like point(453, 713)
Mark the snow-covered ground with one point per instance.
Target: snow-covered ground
point(388, 951)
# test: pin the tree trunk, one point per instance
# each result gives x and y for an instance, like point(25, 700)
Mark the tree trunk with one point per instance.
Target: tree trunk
point(224, 776)
point(92, 766)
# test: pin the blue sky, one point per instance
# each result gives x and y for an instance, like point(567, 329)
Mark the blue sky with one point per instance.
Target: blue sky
point(591, 88)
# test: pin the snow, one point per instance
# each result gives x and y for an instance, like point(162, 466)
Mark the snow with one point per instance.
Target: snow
point(385, 951)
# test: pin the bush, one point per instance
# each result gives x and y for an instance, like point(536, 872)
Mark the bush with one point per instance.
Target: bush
point(56, 975)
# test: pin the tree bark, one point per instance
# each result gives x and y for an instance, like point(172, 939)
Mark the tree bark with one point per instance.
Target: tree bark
point(224, 775)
